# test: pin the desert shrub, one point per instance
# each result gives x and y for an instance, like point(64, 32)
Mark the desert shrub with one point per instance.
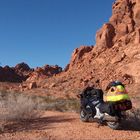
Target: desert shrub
point(57, 104)
point(64, 105)
point(17, 107)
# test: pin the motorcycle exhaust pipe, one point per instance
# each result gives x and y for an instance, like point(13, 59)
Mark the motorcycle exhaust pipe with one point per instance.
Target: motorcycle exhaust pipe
point(110, 118)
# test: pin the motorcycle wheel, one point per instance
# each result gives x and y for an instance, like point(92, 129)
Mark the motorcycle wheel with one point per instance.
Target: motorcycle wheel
point(114, 125)
point(84, 116)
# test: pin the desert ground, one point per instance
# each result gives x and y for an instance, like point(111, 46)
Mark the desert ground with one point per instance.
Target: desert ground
point(66, 126)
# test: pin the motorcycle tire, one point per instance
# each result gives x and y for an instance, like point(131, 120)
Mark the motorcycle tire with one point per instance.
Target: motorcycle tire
point(84, 117)
point(114, 125)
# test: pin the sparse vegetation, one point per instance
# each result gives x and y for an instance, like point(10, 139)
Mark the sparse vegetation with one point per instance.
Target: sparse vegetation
point(19, 107)
point(62, 104)
point(56, 104)
point(16, 107)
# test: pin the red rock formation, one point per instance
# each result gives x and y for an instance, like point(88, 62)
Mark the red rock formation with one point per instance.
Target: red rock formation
point(8, 74)
point(115, 56)
point(41, 73)
point(104, 37)
point(16, 74)
point(22, 67)
point(22, 72)
point(79, 54)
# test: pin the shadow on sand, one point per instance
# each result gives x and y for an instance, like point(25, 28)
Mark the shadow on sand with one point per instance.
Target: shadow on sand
point(131, 125)
point(35, 124)
point(47, 123)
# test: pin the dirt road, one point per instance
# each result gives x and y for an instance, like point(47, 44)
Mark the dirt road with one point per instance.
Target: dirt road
point(64, 126)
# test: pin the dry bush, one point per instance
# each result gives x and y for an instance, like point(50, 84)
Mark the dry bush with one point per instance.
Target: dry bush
point(19, 107)
point(57, 104)
point(62, 105)
point(16, 107)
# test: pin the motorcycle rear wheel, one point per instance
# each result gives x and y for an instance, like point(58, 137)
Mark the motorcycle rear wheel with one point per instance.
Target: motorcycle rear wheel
point(114, 125)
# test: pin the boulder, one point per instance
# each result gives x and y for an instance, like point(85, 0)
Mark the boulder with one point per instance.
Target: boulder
point(32, 85)
point(78, 54)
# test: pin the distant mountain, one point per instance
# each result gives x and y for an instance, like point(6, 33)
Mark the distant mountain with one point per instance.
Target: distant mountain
point(22, 72)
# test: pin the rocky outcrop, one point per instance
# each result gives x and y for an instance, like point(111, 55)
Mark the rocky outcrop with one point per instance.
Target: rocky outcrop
point(22, 67)
point(123, 26)
point(122, 18)
point(104, 37)
point(16, 74)
point(22, 72)
point(38, 75)
point(41, 73)
point(115, 55)
point(78, 55)
point(8, 74)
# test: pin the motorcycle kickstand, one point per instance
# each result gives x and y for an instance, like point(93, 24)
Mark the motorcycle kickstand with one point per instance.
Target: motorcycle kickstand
point(100, 123)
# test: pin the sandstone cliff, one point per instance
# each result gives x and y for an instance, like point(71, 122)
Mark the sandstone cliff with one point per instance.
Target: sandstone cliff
point(115, 56)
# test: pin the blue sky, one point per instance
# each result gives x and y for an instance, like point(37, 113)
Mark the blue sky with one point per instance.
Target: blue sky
point(41, 32)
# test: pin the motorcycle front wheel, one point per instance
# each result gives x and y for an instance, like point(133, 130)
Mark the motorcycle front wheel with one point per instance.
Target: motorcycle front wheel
point(84, 117)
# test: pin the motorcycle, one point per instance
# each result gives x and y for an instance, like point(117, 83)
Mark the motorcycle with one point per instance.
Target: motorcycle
point(91, 112)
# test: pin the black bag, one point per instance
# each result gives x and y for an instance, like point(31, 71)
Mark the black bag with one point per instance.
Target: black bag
point(114, 107)
point(123, 105)
point(91, 96)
